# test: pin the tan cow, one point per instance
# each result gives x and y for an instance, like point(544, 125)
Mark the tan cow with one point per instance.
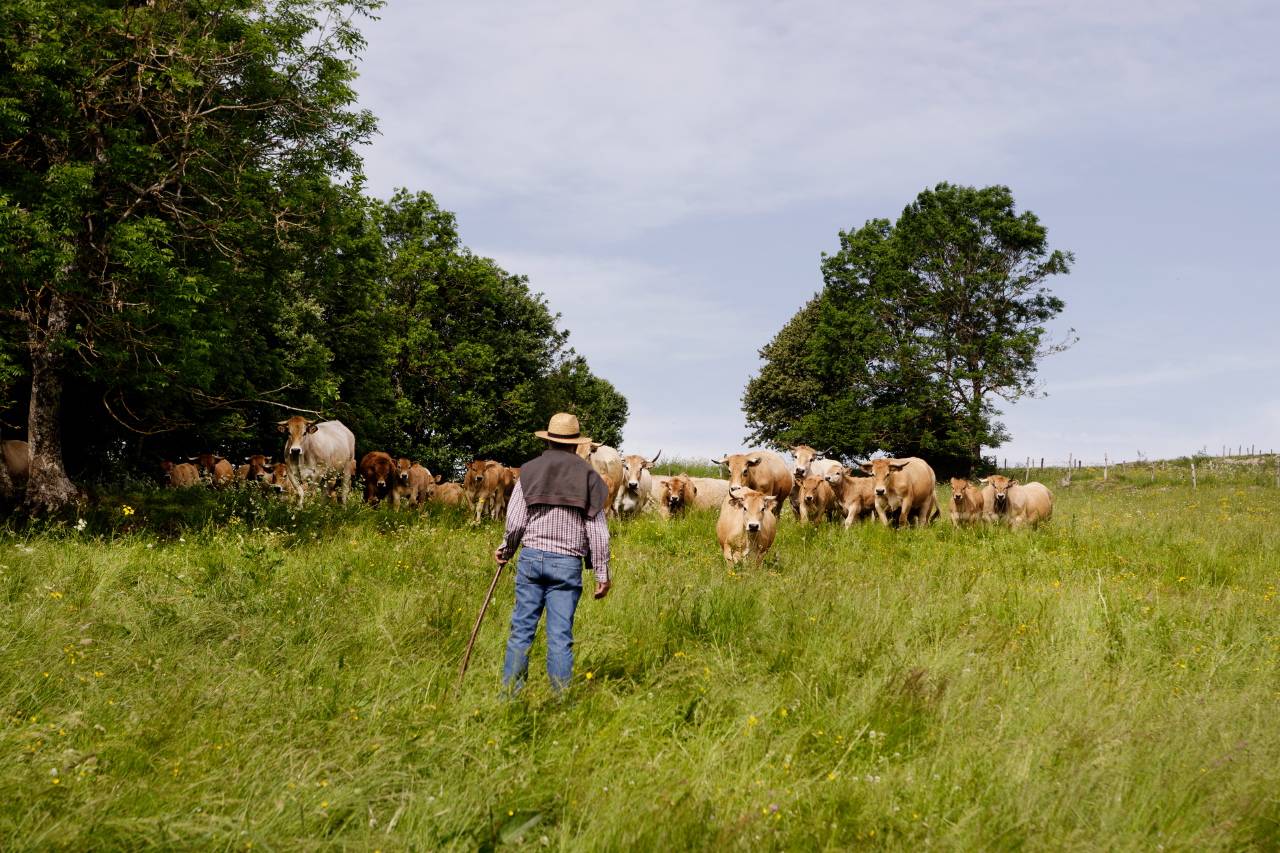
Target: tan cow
point(182, 475)
point(449, 494)
point(255, 469)
point(855, 494)
point(219, 471)
point(806, 461)
point(966, 502)
point(379, 472)
point(608, 464)
point(761, 470)
point(709, 492)
point(17, 459)
point(906, 486)
point(322, 454)
point(673, 495)
point(416, 485)
point(817, 499)
point(747, 524)
point(486, 485)
point(277, 478)
point(637, 485)
point(1019, 504)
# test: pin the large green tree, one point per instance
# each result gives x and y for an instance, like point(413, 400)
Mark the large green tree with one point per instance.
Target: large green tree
point(150, 163)
point(921, 326)
point(476, 361)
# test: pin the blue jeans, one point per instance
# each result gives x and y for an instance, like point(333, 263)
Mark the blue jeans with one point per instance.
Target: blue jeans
point(543, 581)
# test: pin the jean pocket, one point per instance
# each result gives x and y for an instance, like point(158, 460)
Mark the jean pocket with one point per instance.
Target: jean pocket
point(566, 569)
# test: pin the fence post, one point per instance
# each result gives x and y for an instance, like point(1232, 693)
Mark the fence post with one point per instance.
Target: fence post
point(1106, 465)
point(1277, 458)
point(1193, 475)
point(1026, 478)
point(1041, 463)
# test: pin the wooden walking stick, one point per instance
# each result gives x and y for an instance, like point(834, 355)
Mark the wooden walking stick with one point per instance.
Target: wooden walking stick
point(466, 657)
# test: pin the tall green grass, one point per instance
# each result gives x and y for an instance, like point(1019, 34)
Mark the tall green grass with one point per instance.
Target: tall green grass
point(229, 673)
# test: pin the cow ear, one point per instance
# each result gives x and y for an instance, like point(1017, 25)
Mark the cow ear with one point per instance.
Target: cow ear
point(982, 480)
point(311, 428)
point(769, 499)
point(283, 426)
point(754, 460)
point(866, 467)
point(1013, 482)
point(717, 461)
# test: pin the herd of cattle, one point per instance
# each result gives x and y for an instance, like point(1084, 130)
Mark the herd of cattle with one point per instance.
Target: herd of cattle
point(900, 492)
point(321, 457)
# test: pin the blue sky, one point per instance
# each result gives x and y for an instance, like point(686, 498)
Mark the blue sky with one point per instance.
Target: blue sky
point(668, 174)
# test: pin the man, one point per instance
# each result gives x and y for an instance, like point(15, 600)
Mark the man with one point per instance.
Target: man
point(557, 512)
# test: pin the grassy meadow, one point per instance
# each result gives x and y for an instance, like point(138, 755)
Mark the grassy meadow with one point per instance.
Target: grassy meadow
point(221, 672)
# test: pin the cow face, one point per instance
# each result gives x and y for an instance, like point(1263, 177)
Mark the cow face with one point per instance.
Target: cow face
point(378, 470)
point(804, 456)
point(882, 470)
point(680, 492)
point(278, 476)
point(739, 465)
point(259, 467)
point(834, 475)
point(402, 470)
point(206, 461)
point(809, 489)
point(167, 467)
point(633, 467)
point(959, 488)
point(1001, 484)
point(294, 429)
point(753, 505)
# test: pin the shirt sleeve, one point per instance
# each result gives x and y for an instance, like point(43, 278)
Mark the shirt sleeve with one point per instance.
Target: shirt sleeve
point(598, 542)
point(517, 518)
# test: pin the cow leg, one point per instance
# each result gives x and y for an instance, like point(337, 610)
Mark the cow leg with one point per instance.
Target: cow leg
point(794, 497)
point(904, 512)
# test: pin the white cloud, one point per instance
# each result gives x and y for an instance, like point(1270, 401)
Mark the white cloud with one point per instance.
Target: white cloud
point(607, 117)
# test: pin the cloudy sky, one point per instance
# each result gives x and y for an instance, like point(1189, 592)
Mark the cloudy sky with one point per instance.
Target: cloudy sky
point(669, 173)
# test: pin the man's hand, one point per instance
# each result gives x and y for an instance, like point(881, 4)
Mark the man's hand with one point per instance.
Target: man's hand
point(498, 558)
point(602, 589)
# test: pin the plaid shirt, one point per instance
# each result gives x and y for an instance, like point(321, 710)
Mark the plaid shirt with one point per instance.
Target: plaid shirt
point(558, 529)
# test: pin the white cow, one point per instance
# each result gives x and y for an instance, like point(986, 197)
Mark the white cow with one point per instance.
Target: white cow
point(637, 485)
point(318, 453)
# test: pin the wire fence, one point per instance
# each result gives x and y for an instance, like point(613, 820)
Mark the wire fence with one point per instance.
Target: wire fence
point(1250, 466)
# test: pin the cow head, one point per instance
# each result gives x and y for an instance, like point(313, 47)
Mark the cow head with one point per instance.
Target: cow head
point(804, 456)
point(206, 461)
point(585, 450)
point(680, 492)
point(259, 466)
point(753, 505)
point(402, 470)
point(633, 467)
point(294, 429)
point(740, 465)
point(378, 469)
point(810, 489)
point(959, 489)
point(883, 470)
point(834, 475)
point(278, 476)
point(166, 466)
point(1000, 484)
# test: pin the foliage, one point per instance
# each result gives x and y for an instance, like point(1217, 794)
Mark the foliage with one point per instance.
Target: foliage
point(181, 182)
point(919, 326)
point(1105, 682)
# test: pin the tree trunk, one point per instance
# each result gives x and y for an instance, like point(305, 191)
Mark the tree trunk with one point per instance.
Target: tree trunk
point(48, 489)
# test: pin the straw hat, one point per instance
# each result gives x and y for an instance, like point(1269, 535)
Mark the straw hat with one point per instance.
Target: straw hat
point(563, 429)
